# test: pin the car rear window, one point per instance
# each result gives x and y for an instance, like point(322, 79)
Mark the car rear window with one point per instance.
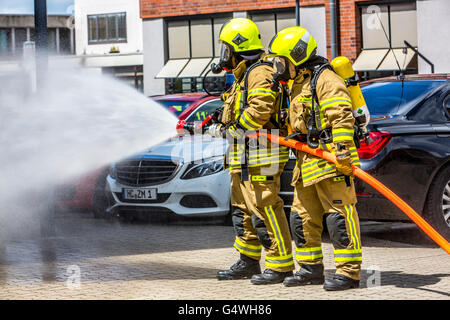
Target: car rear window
point(175, 106)
point(386, 97)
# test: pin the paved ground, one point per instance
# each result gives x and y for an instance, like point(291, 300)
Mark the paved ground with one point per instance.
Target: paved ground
point(98, 259)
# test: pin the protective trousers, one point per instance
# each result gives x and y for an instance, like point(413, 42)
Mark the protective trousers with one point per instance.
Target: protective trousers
point(259, 219)
point(335, 198)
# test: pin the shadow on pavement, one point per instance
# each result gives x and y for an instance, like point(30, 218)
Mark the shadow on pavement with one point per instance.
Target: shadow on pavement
point(394, 235)
point(403, 280)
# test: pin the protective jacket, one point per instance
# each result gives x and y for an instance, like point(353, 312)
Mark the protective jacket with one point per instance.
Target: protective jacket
point(259, 111)
point(320, 191)
point(333, 118)
point(258, 216)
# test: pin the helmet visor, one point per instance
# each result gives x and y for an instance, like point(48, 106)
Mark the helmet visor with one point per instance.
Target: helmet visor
point(225, 53)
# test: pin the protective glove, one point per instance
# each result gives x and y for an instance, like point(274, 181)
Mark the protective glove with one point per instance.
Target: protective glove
point(344, 165)
point(235, 131)
point(343, 159)
point(216, 130)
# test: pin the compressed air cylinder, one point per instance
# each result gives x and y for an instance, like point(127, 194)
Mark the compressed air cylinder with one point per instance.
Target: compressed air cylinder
point(343, 67)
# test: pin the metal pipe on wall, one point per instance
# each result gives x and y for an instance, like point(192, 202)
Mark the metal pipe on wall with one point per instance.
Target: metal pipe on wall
point(333, 29)
point(297, 12)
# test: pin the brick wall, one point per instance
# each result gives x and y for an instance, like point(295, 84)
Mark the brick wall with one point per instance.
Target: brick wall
point(171, 8)
point(349, 20)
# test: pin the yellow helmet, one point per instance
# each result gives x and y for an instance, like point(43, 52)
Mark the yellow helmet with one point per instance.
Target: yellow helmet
point(241, 34)
point(294, 43)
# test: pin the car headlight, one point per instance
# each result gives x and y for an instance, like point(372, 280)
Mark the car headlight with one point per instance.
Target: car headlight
point(113, 172)
point(206, 168)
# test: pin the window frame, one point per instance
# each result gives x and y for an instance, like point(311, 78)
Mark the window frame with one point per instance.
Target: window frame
point(116, 27)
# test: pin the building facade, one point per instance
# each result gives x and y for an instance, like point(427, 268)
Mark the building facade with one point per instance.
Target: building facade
point(180, 37)
point(109, 37)
point(17, 29)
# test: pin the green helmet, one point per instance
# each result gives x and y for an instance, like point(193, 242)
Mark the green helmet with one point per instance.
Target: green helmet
point(241, 34)
point(294, 43)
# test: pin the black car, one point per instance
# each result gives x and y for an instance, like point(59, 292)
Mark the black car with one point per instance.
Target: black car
point(409, 152)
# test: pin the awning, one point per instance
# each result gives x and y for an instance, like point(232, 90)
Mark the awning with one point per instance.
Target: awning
point(210, 74)
point(113, 60)
point(403, 59)
point(195, 68)
point(369, 60)
point(383, 60)
point(188, 68)
point(172, 68)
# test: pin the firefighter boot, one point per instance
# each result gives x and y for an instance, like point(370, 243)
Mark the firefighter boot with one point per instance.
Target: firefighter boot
point(244, 268)
point(340, 282)
point(270, 277)
point(308, 274)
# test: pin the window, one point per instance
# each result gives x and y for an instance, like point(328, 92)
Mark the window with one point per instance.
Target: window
point(204, 110)
point(266, 25)
point(20, 35)
point(51, 38)
point(178, 39)
point(387, 97)
point(196, 38)
point(387, 26)
point(107, 28)
point(399, 21)
point(447, 106)
point(175, 106)
point(5, 41)
point(191, 46)
point(201, 38)
point(270, 23)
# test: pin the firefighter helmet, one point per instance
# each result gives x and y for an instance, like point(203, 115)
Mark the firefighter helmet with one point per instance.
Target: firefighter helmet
point(294, 43)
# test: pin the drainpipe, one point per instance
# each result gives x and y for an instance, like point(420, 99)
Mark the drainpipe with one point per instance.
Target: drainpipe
point(333, 28)
point(297, 12)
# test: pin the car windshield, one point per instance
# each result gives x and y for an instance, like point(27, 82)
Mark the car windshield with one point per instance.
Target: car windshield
point(386, 97)
point(175, 106)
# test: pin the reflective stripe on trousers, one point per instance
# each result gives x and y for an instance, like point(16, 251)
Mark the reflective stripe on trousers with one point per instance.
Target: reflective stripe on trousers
point(248, 250)
point(344, 255)
point(308, 254)
point(279, 261)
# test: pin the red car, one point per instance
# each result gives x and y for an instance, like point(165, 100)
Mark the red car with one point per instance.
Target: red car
point(183, 105)
point(87, 192)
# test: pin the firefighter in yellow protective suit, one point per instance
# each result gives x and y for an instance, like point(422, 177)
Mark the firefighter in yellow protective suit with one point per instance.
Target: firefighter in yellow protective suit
point(255, 165)
point(323, 118)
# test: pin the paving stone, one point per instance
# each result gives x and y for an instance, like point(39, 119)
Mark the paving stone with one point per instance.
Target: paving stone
point(180, 261)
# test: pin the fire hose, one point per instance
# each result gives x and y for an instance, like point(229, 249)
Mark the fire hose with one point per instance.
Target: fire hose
point(391, 196)
point(396, 200)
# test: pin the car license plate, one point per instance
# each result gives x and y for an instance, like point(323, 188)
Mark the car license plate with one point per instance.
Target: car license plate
point(139, 194)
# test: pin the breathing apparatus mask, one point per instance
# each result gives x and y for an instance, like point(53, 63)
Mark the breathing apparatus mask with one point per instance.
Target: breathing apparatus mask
point(284, 71)
point(225, 60)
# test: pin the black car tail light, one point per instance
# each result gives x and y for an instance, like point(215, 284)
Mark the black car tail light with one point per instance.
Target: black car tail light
point(377, 141)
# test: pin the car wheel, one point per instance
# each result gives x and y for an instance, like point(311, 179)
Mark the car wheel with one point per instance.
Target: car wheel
point(100, 201)
point(437, 206)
